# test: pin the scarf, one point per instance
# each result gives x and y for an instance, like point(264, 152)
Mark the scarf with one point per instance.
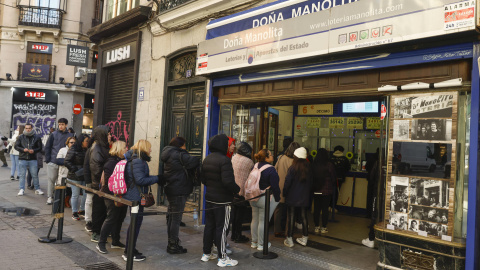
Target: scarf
point(29, 134)
point(144, 156)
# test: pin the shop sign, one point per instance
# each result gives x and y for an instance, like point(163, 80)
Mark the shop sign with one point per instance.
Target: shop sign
point(374, 123)
point(434, 103)
point(316, 109)
point(314, 31)
point(35, 47)
point(314, 122)
point(34, 95)
point(35, 72)
point(120, 54)
point(336, 122)
point(354, 123)
point(77, 55)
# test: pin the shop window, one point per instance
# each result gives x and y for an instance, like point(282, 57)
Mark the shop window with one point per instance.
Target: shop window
point(39, 58)
point(183, 67)
point(118, 7)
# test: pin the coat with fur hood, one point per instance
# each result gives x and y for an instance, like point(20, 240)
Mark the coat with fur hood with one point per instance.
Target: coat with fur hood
point(98, 155)
point(217, 172)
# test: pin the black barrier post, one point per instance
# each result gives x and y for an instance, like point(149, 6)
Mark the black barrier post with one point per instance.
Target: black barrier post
point(61, 209)
point(131, 235)
point(265, 254)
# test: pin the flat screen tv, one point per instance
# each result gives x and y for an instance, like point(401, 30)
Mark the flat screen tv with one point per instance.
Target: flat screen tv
point(360, 107)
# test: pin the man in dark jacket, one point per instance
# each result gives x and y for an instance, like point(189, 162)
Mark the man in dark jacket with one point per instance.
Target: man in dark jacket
point(219, 180)
point(56, 141)
point(178, 165)
point(97, 157)
point(28, 145)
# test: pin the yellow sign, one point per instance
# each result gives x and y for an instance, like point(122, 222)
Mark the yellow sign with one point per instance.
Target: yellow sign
point(314, 122)
point(374, 123)
point(316, 109)
point(354, 123)
point(336, 122)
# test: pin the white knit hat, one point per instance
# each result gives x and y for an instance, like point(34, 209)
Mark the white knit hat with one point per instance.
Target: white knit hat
point(300, 153)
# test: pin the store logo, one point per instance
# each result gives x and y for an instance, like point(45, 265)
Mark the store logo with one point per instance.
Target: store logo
point(36, 95)
point(353, 36)
point(363, 34)
point(387, 30)
point(118, 54)
point(250, 56)
point(342, 39)
point(376, 32)
point(42, 48)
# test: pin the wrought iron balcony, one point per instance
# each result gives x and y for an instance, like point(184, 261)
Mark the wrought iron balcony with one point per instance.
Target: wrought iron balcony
point(36, 72)
point(170, 4)
point(40, 17)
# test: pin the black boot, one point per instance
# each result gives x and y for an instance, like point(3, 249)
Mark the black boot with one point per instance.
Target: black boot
point(174, 248)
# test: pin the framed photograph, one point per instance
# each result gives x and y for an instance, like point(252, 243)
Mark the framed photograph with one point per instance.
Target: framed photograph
point(432, 228)
point(432, 129)
point(426, 213)
point(398, 220)
point(403, 107)
point(401, 129)
point(433, 193)
point(399, 194)
point(434, 105)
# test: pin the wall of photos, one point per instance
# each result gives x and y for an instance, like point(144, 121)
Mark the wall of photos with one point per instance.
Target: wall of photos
point(421, 164)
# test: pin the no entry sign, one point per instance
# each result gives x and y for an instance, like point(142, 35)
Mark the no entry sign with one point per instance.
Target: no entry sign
point(77, 109)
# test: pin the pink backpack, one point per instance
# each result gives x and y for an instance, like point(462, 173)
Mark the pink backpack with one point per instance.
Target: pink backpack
point(252, 185)
point(116, 182)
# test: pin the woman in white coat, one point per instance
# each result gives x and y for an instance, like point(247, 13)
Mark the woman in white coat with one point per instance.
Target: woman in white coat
point(14, 153)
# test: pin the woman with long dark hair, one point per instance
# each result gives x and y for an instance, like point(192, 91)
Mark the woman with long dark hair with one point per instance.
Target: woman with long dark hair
point(297, 192)
point(324, 178)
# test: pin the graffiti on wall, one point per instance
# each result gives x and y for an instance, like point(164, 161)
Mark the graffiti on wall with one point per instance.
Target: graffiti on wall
point(41, 115)
point(119, 128)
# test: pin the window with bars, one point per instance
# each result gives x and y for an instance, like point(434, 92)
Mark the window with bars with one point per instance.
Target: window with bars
point(118, 7)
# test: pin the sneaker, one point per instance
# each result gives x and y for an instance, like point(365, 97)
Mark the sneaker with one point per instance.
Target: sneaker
point(5, 165)
point(21, 192)
point(39, 192)
point(136, 258)
point(101, 248)
point(88, 226)
point(298, 225)
point(288, 242)
point(81, 213)
point(49, 200)
point(18, 178)
point(12, 178)
point(366, 242)
point(75, 216)
point(260, 247)
point(226, 262)
point(208, 257)
point(303, 241)
point(323, 230)
point(31, 187)
point(317, 229)
point(118, 245)
point(95, 237)
point(254, 245)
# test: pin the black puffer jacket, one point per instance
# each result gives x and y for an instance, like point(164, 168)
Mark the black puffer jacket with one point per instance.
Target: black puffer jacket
point(217, 172)
point(30, 142)
point(98, 155)
point(74, 161)
point(174, 173)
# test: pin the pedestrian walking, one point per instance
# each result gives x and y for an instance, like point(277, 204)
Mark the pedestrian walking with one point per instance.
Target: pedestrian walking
point(28, 145)
point(55, 142)
point(138, 180)
point(298, 194)
point(13, 152)
point(242, 166)
point(219, 180)
point(179, 167)
point(268, 179)
point(3, 149)
point(324, 179)
point(115, 214)
point(283, 164)
point(74, 162)
point(39, 165)
point(62, 170)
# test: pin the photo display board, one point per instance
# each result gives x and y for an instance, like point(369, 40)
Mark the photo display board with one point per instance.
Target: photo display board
point(422, 164)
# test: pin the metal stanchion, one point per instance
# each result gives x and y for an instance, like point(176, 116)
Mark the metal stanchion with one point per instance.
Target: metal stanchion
point(265, 254)
point(131, 235)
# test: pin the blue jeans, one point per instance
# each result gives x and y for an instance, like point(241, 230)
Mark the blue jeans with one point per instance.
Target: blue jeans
point(75, 195)
point(31, 165)
point(137, 229)
point(14, 159)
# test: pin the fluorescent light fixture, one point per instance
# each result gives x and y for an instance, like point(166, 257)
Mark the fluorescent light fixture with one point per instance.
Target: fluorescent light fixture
point(414, 86)
point(386, 88)
point(449, 83)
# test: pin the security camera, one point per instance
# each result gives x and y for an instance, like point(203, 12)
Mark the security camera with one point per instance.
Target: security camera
point(79, 74)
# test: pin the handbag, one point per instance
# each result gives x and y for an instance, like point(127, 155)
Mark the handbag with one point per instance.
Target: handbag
point(118, 204)
point(146, 200)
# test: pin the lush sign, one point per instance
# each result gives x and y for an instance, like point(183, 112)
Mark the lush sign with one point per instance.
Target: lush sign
point(77, 55)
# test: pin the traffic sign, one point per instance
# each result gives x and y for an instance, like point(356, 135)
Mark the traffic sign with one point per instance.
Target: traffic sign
point(77, 109)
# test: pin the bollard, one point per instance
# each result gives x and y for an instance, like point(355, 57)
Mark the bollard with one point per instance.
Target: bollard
point(131, 235)
point(265, 254)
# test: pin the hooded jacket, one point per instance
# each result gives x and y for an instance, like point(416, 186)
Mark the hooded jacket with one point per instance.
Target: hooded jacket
point(139, 168)
point(175, 174)
point(230, 141)
point(98, 155)
point(56, 141)
point(242, 165)
point(217, 172)
point(30, 142)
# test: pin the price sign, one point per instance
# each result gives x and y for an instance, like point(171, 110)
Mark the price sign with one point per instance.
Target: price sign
point(354, 123)
point(336, 122)
point(313, 122)
point(374, 123)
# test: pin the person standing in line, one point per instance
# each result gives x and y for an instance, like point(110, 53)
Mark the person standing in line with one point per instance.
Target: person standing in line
point(218, 178)
point(231, 147)
point(137, 177)
point(324, 178)
point(87, 177)
point(74, 162)
point(242, 166)
point(97, 158)
point(298, 192)
point(14, 153)
point(3, 148)
point(39, 165)
point(286, 143)
point(342, 166)
point(283, 164)
point(178, 165)
point(62, 170)
point(56, 141)
point(115, 214)
point(28, 145)
point(268, 179)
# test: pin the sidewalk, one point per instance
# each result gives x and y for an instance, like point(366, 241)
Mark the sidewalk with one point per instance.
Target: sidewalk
point(21, 250)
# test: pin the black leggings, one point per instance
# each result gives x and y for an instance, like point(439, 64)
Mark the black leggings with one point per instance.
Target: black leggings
point(291, 219)
point(321, 203)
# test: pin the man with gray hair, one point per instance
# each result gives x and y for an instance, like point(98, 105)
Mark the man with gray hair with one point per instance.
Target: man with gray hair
point(28, 145)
